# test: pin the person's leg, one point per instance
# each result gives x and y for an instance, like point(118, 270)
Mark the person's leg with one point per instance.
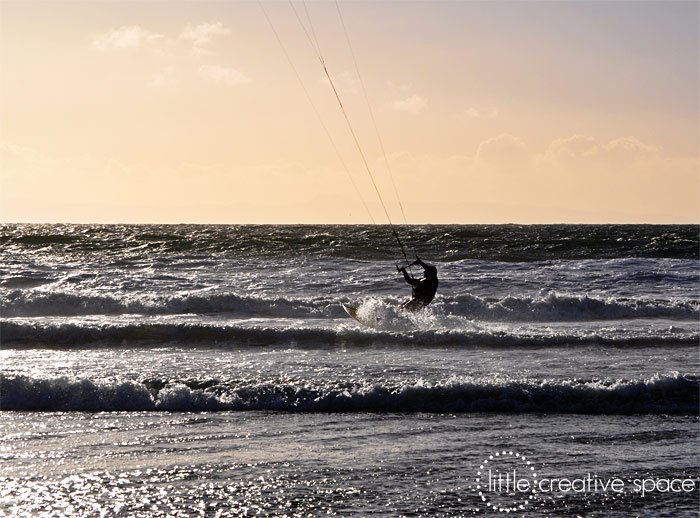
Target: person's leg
point(412, 305)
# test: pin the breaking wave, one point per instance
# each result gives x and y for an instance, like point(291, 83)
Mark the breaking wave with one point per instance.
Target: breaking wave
point(396, 332)
point(19, 303)
point(552, 307)
point(560, 307)
point(660, 394)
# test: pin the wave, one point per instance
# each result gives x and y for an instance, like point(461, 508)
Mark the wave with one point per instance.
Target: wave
point(660, 394)
point(395, 332)
point(45, 239)
point(24, 281)
point(550, 308)
point(20, 303)
point(563, 307)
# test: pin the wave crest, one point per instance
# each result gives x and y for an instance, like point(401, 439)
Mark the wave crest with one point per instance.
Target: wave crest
point(550, 308)
point(670, 393)
point(563, 307)
point(20, 303)
point(401, 333)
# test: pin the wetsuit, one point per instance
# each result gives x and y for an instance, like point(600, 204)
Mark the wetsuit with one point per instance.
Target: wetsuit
point(423, 289)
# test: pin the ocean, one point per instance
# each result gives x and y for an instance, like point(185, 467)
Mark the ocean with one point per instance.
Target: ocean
point(210, 370)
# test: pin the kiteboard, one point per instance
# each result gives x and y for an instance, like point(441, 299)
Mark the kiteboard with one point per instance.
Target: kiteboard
point(354, 314)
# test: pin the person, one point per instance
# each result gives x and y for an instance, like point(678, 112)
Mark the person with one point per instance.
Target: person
point(423, 289)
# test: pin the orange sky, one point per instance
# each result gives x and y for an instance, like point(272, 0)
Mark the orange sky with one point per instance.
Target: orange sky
point(489, 112)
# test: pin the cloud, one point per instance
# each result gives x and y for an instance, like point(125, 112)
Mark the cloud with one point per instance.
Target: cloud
point(8, 151)
point(603, 182)
point(203, 34)
point(629, 149)
point(125, 38)
point(574, 178)
point(404, 87)
point(580, 151)
point(576, 146)
point(223, 75)
point(164, 77)
point(504, 151)
point(23, 162)
point(413, 104)
point(475, 113)
point(346, 82)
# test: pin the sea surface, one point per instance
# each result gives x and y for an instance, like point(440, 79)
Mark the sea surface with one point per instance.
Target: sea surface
point(202, 370)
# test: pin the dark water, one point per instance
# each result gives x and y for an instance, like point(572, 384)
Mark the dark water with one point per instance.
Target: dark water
point(365, 242)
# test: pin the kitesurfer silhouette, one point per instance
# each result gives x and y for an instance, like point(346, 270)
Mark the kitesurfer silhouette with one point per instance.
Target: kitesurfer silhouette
point(423, 289)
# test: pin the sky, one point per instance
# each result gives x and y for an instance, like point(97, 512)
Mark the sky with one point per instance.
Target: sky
point(467, 112)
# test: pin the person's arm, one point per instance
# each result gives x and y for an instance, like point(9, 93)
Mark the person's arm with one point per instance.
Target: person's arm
point(408, 278)
point(418, 261)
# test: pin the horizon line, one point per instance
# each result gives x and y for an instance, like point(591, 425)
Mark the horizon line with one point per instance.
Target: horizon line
point(341, 224)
